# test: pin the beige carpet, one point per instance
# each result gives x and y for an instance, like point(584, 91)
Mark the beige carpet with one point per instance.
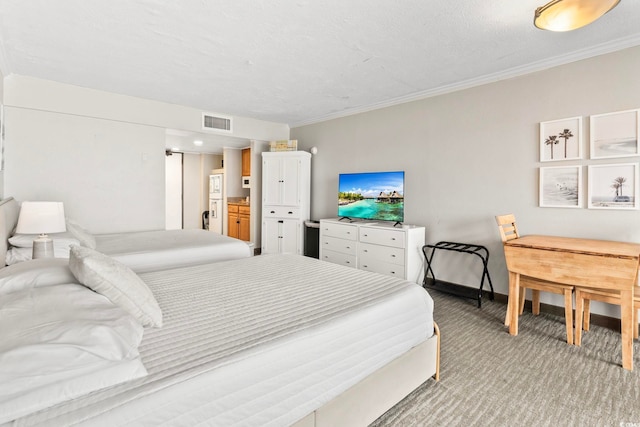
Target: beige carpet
point(489, 378)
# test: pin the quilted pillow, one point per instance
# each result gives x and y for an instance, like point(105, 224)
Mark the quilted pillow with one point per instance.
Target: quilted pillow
point(117, 282)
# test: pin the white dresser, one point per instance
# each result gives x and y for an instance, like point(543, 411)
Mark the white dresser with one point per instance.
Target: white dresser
point(374, 246)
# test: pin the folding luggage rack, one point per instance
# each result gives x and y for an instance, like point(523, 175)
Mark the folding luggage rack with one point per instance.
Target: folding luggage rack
point(456, 288)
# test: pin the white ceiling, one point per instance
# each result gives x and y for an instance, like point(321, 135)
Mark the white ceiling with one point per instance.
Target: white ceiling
point(291, 61)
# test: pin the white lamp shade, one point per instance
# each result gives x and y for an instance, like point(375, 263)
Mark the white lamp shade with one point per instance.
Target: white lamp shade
point(41, 218)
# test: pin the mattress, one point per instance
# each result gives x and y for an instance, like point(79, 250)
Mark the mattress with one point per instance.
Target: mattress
point(260, 341)
point(145, 251)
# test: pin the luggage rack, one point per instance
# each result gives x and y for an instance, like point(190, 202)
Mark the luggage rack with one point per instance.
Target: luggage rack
point(456, 288)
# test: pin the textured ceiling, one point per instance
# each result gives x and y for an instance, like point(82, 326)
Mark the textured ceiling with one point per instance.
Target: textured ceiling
point(292, 62)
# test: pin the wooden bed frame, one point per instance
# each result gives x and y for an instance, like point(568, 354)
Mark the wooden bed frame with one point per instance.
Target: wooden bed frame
point(363, 403)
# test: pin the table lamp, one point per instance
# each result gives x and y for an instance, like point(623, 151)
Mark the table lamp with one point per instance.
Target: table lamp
point(41, 218)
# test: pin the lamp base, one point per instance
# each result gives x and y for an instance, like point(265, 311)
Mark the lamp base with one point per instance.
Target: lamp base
point(42, 247)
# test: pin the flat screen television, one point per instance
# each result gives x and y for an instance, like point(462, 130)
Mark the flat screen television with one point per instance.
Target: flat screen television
point(371, 195)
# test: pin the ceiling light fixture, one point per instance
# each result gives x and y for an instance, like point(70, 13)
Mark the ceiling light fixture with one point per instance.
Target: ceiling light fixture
point(567, 15)
point(198, 142)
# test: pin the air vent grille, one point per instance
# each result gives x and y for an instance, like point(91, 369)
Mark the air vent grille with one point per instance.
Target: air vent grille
point(219, 123)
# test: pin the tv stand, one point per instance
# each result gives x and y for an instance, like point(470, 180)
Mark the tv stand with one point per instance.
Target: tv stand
point(381, 247)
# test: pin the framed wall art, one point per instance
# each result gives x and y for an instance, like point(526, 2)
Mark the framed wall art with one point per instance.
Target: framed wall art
point(561, 187)
point(613, 186)
point(561, 139)
point(614, 134)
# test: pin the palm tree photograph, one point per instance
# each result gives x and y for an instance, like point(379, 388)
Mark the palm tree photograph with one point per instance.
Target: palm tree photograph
point(561, 139)
point(613, 186)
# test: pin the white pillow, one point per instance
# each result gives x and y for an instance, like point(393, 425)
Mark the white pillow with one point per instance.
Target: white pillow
point(35, 273)
point(86, 239)
point(63, 342)
point(117, 282)
point(60, 240)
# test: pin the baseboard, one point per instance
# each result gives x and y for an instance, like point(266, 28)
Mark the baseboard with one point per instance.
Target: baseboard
point(596, 319)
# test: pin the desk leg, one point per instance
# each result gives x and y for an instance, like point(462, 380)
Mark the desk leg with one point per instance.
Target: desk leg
point(627, 328)
point(514, 289)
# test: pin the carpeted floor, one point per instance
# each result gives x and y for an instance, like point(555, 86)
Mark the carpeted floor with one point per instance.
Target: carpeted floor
point(490, 378)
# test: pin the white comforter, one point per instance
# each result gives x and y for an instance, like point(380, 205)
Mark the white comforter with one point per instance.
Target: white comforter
point(261, 341)
point(61, 342)
point(145, 251)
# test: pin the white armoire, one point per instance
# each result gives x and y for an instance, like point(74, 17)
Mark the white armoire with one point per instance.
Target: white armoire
point(286, 177)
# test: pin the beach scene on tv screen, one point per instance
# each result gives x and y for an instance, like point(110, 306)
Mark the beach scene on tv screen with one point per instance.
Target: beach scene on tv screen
point(375, 195)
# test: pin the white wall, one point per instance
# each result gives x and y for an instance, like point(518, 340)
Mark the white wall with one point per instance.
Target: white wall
point(474, 154)
point(100, 169)
point(102, 154)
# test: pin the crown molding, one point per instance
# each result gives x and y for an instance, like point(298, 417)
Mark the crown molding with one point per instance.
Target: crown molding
point(590, 52)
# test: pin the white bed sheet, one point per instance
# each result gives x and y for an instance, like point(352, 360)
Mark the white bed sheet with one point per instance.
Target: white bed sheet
point(261, 341)
point(146, 251)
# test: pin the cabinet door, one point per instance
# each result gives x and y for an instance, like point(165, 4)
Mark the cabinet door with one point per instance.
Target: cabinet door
point(232, 228)
point(290, 177)
point(270, 236)
point(244, 228)
point(271, 181)
point(246, 162)
point(290, 233)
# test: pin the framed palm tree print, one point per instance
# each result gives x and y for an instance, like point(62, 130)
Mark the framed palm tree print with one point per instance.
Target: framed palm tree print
point(561, 187)
point(561, 139)
point(613, 186)
point(614, 134)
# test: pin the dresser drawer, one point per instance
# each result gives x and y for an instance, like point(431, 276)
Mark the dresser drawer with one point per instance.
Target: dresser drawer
point(387, 237)
point(339, 258)
point(382, 253)
point(338, 245)
point(341, 231)
point(377, 266)
point(280, 212)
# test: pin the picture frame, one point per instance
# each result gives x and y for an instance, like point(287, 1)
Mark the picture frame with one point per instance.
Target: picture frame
point(614, 134)
point(613, 186)
point(560, 187)
point(561, 139)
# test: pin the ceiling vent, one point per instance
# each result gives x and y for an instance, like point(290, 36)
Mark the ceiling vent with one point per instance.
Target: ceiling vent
point(216, 122)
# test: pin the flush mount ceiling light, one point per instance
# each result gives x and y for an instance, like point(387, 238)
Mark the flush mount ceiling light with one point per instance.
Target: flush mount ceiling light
point(567, 15)
point(198, 143)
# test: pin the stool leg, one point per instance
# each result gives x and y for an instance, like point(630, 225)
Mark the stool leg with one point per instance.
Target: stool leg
point(587, 314)
point(579, 313)
point(568, 314)
point(535, 302)
point(521, 302)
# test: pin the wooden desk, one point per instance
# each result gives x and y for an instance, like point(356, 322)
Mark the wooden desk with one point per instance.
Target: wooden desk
point(597, 264)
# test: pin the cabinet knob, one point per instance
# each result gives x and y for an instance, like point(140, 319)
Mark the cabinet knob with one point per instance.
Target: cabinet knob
point(393, 238)
point(290, 213)
point(393, 256)
point(348, 247)
point(272, 212)
point(365, 235)
point(365, 266)
point(348, 262)
point(365, 250)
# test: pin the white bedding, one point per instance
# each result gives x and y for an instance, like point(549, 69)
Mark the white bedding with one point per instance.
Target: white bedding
point(259, 341)
point(145, 251)
point(60, 342)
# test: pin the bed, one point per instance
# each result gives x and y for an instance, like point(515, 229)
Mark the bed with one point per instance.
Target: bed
point(142, 251)
point(268, 341)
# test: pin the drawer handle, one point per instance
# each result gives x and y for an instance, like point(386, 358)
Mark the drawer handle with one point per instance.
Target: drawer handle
point(348, 247)
point(272, 212)
point(326, 243)
point(290, 213)
point(348, 232)
point(366, 235)
point(393, 238)
point(348, 262)
point(365, 250)
point(393, 256)
point(365, 266)
point(393, 272)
